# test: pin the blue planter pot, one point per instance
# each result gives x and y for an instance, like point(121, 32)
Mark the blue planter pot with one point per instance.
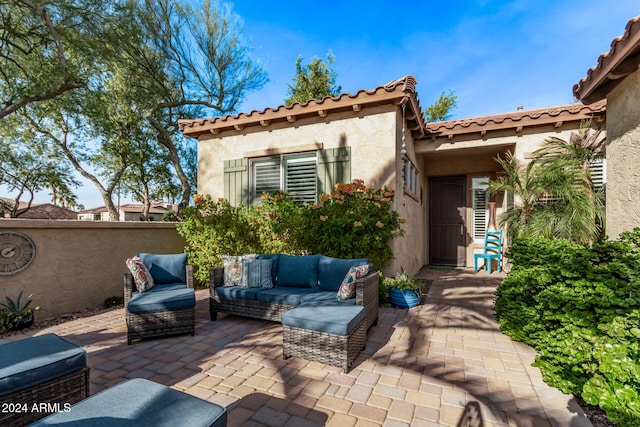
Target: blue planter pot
point(404, 299)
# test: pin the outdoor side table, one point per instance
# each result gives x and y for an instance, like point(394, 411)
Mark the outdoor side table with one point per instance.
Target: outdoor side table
point(38, 376)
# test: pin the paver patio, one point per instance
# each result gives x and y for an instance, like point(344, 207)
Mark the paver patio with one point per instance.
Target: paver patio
point(442, 363)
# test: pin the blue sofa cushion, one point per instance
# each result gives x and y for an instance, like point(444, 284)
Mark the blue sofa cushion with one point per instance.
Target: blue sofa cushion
point(332, 318)
point(38, 359)
point(173, 299)
point(166, 268)
point(256, 273)
point(140, 402)
point(169, 286)
point(275, 258)
point(331, 271)
point(236, 292)
point(298, 271)
point(319, 296)
point(287, 296)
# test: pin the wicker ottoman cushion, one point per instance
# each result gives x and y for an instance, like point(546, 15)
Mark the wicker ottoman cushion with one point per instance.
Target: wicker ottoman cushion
point(166, 268)
point(140, 402)
point(154, 300)
point(331, 271)
point(286, 296)
point(35, 360)
point(335, 319)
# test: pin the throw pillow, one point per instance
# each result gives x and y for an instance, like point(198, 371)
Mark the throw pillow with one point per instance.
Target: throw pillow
point(141, 276)
point(348, 287)
point(256, 273)
point(232, 270)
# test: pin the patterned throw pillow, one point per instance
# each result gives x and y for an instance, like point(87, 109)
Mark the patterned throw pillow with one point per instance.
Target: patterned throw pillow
point(348, 287)
point(256, 273)
point(232, 270)
point(141, 276)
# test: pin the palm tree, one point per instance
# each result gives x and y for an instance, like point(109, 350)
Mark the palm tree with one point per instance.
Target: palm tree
point(555, 193)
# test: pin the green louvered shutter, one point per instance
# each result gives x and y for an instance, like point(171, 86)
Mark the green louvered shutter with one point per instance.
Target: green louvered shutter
point(236, 181)
point(334, 166)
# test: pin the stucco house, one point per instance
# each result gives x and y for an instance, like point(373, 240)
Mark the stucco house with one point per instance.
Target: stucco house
point(616, 79)
point(379, 136)
point(128, 212)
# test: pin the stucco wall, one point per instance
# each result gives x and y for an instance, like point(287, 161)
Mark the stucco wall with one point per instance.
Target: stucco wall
point(369, 133)
point(623, 156)
point(78, 264)
point(374, 135)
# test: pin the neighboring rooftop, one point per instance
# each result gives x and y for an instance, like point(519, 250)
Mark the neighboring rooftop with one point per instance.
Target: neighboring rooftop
point(622, 59)
point(399, 91)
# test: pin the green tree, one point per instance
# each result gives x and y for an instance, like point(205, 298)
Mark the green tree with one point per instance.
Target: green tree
point(313, 81)
point(441, 109)
point(38, 44)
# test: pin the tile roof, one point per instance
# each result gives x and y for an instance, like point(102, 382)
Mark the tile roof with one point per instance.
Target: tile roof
point(517, 119)
point(623, 58)
point(397, 91)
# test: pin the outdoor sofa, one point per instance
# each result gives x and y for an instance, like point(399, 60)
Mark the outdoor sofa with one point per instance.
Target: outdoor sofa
point(320, 320)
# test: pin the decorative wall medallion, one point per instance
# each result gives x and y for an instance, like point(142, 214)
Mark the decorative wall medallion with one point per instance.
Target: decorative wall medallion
point(17, 251)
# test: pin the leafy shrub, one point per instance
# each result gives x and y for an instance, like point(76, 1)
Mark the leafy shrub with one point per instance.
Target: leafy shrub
point(579, 307)
point(354, 222)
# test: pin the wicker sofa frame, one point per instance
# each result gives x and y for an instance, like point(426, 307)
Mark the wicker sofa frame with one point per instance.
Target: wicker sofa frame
point(70, 388)
point(366, 295)
point(158, 323)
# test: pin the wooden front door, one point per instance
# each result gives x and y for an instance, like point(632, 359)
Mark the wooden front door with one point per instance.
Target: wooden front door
point(447, 204)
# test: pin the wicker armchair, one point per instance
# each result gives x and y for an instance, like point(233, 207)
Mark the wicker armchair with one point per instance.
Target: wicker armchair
point(166, 309)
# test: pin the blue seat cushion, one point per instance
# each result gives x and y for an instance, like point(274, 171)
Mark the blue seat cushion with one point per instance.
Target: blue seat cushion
point(236, 292)
point(336, 319)
point(169, 286)
point(173, 299)
point(319, 296)
point(166, 268)
point(332, 271)
point(298, 271)
point(287, 296)
point(36, 360)
point(275, 258)
point(140, 402)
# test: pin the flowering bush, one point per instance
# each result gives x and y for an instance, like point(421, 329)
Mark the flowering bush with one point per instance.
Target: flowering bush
point(353, 222)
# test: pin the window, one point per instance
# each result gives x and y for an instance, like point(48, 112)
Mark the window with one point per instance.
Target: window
point(410, 176)
point(294, 173)
point(598, 168)
point(480, 204)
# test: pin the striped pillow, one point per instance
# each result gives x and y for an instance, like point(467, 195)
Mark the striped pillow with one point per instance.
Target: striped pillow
point(256, 273)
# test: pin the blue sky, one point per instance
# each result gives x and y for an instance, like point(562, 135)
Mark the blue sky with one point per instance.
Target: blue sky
point(495, 55)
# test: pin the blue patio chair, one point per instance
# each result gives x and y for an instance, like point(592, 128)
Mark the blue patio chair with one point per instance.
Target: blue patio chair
point(492, 250)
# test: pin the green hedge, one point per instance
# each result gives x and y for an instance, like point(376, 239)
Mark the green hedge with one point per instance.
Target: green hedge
point(579, 307)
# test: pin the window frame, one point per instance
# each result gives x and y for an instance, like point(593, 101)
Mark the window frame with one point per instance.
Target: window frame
point(282, 160)
point(479, 183)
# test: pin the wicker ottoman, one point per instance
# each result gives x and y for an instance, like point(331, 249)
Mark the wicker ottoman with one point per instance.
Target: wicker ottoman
point(330, 333)
point(38, 376)
point(139, 402)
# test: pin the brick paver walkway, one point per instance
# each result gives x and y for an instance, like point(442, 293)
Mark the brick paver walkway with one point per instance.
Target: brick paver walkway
point(442, 363)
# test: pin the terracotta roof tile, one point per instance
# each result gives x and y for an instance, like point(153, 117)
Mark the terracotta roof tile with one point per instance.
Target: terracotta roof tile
point(515, 119)
point(620, 60)
point(397, 91)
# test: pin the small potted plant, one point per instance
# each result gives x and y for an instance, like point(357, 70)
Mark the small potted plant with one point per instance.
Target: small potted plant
point(19, 315)
point(404, 292)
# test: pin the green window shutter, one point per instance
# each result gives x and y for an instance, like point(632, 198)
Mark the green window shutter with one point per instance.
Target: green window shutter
point(236, 181)
point(334, 166)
